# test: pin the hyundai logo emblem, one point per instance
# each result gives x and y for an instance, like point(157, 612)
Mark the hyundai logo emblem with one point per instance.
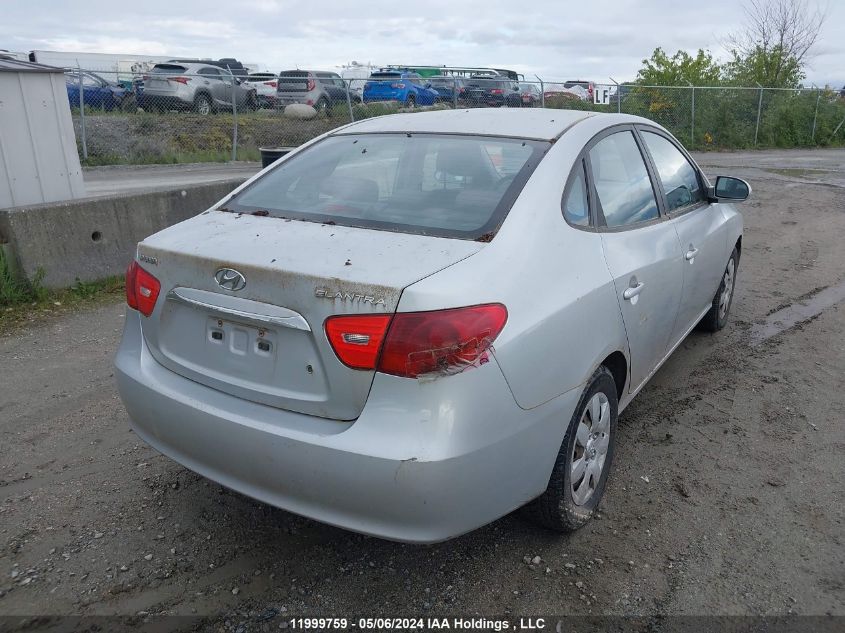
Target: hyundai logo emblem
point(230, 279)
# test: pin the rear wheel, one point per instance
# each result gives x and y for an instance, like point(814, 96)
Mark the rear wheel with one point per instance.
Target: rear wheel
point(717, 317)
point(202, 104)
point(580, 472)
point(322, 105)
point(411, 101)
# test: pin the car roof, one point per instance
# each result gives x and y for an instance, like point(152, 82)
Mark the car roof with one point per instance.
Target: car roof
point(539, 124)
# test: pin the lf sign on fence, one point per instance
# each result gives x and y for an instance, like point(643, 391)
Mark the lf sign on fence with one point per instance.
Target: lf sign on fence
point(601, 94)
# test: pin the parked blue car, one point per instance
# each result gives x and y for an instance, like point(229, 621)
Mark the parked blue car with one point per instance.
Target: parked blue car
point(403, 86)
point(98, 93)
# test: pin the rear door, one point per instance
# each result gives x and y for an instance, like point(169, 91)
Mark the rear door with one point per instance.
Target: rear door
point(293, 84)
point(221, 91)
point(700, 227)
point(158, 82)
point(641, 248)
point(381, 85)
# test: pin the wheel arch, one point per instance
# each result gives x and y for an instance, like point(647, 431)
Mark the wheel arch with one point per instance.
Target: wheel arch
point(617, 364)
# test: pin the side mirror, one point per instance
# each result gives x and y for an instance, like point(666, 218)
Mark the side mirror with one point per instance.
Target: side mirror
point(728, 188)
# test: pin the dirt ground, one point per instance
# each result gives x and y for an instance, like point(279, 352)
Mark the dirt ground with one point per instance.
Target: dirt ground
point(726, 496)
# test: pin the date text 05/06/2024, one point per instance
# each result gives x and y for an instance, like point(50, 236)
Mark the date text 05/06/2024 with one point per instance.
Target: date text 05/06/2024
point(420, 624)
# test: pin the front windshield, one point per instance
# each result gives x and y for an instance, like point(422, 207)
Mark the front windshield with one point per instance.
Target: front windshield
point(453, 186)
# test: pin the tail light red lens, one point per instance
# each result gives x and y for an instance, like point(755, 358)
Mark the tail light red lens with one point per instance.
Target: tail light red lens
point(272, 84)
point(357, 339)
point(180, 80)
point(497, 91)
point(311, 85)
point(142, 289)
point(411, 344)
point(440, 341)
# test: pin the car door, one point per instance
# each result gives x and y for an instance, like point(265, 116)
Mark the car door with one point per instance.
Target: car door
point(700, 226)
point(92, 91)
point(221, 91)
point(229, 88)
point(209, 80)
point(640, 246)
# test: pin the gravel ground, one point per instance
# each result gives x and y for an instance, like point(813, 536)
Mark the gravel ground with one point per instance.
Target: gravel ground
point(726, 497)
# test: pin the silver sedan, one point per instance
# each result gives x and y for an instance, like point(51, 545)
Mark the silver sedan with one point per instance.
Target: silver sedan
point(415, 324)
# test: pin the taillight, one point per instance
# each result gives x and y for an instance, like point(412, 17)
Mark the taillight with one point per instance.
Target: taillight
point(180, 80)
point(444, 341)
point(142, 289)
point(411, 344)
point(270, 83)
point(398, 86)
point(356, 339)
point(311, 85)
point(496, 91)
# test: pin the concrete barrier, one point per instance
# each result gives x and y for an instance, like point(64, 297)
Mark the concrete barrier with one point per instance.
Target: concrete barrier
point(93, 238)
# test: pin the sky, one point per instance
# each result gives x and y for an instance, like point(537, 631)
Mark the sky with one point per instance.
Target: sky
point(555, 39)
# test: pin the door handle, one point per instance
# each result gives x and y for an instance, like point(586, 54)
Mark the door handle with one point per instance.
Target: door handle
point(691, 253)
point(633, 291)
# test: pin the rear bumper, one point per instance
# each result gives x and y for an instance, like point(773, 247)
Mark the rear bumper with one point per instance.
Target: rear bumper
point(424, 462)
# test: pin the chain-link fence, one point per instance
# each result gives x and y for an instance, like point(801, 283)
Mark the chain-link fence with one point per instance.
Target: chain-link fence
point(178, 113)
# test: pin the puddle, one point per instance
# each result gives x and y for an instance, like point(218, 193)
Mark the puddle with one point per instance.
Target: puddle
point(831, 177)
point(793, 172)
point(796, 313)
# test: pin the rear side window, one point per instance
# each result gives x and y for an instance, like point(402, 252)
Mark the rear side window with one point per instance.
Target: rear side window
point(451, 186)
point(576, 209)
point(679, 177)
point(621, 180)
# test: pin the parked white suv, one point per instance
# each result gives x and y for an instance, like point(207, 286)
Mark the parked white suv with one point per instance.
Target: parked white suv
point(194, 86)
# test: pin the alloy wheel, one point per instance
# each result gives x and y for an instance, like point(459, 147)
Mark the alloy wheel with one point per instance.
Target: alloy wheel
point(589, 450)
point(727, 289)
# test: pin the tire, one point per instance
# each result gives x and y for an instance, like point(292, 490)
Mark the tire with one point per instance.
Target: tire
point(322, 105)
point(559, 508)
point(411, 101)
point(129, 104)
point(717, 316)
point(203, 105)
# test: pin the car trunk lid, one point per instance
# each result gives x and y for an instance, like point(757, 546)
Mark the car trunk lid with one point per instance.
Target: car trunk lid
point(293, 81)
point(265, 342)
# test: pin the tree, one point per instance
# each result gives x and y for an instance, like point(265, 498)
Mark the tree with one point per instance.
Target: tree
point(681, 69)
point(776, 43)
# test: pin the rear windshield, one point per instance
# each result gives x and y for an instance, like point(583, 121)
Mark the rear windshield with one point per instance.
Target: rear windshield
point(168, 68)
point(485, 83)
point(293, 73)
point(385, 76)
point(443, 185)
